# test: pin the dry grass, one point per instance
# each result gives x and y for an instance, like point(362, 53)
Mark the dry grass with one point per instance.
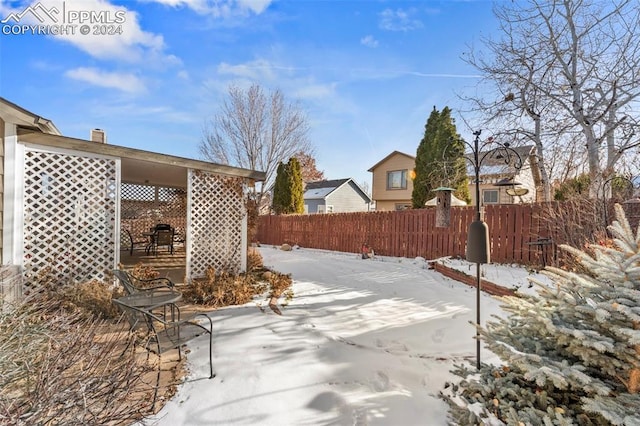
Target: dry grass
point(221, 288)
point(93, 298)
point(59, 367)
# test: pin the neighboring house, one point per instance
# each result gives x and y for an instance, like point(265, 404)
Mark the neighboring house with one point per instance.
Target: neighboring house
point(65, 201)
point(496, 170)
point(392, 184)
point(335, 196)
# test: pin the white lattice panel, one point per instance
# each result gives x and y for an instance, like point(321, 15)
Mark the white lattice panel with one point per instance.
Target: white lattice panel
point(216, 213)
point(69, 216)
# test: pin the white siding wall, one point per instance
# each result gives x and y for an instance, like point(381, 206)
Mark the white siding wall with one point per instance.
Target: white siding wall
point(347, 199)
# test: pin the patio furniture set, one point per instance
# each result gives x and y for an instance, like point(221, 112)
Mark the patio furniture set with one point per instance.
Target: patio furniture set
point(151, 306)
point(161, 235)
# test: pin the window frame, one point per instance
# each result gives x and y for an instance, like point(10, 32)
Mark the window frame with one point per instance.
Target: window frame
point(403, 179)
point(490, 191)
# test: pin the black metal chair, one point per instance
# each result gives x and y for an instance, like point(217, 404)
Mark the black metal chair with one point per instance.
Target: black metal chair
point(163, 335)
point(127, 238)
point(133, 285)
point(161, 238)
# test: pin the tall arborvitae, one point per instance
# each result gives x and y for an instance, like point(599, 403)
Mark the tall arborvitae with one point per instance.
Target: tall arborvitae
point(296, 186)
point(439, 160)
point(455, 165)
point(572, 354)
point(281, 191)
point(288, 190)
point(425, 154)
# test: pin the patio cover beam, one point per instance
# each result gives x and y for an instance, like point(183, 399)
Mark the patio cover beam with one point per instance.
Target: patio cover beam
point(29, 136)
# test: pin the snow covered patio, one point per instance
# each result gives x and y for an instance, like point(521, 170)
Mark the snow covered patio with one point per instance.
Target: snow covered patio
point(363, 342)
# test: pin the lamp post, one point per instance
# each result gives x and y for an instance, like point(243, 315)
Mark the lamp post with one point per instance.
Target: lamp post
point(478, 250)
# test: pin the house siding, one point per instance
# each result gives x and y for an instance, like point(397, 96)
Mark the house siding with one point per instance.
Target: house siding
point(524, 177)
point(313, 205)
point(386, 199)
point(347, 198)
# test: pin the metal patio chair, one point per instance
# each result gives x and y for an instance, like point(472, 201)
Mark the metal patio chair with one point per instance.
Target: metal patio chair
point(163, 237)
point(134, 284)
point(162, 335)
point(128, 239)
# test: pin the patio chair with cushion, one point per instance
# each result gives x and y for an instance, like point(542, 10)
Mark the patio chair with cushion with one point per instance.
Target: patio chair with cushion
point(163, 335)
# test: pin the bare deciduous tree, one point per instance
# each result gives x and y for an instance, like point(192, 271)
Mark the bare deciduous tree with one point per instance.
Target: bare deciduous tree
point(256, 130)
point(310, 172)
point(564, 68)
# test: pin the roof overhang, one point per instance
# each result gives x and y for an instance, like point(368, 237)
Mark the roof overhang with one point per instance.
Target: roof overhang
point(389, 156)
point(139, 166)
point(13, 113)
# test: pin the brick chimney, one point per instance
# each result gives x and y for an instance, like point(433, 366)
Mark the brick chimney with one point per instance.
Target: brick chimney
point(98, 135)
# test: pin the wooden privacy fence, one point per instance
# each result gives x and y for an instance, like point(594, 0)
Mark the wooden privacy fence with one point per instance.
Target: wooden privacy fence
point(514, 230)
point(411, 233)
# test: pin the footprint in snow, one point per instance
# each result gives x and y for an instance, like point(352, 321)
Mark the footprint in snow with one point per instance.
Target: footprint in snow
point(438, 335)
point(380, 382)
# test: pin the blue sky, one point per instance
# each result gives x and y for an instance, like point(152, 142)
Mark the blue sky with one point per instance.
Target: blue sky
point(367, 72)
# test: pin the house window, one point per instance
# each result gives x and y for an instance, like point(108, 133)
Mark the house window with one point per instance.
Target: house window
point(329, 208)
point(321, 208)
point(402, 206)
point(490, 196)
point(397, 179)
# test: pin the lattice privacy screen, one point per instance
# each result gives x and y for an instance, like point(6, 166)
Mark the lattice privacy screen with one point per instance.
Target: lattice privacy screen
point(144, 206)
point(69, 216)
point(217, 209)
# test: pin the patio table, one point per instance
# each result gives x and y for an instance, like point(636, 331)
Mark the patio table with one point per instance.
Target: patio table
point(150, 236)
point(152, 299)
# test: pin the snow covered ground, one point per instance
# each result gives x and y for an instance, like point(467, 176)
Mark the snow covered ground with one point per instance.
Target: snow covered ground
point(363, 342)
point(515, 277)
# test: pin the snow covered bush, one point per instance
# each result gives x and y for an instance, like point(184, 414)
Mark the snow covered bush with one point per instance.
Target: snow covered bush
point(572, 354)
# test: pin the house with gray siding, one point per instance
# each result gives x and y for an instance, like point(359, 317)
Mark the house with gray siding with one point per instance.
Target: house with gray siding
point(335, 196)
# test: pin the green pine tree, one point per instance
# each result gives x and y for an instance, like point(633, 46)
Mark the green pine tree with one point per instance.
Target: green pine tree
point(288, 190)
point(281, 190)
point(439, 160)
point(572, 354)
point(296, 186)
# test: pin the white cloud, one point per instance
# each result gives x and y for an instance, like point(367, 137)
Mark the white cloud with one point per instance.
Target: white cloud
point(260, 69)
point(125, 82)
point(256, 6)
point(399, 20)
point(316, 91)
point(220, 8)
point(127, 41)
point(369, 41)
